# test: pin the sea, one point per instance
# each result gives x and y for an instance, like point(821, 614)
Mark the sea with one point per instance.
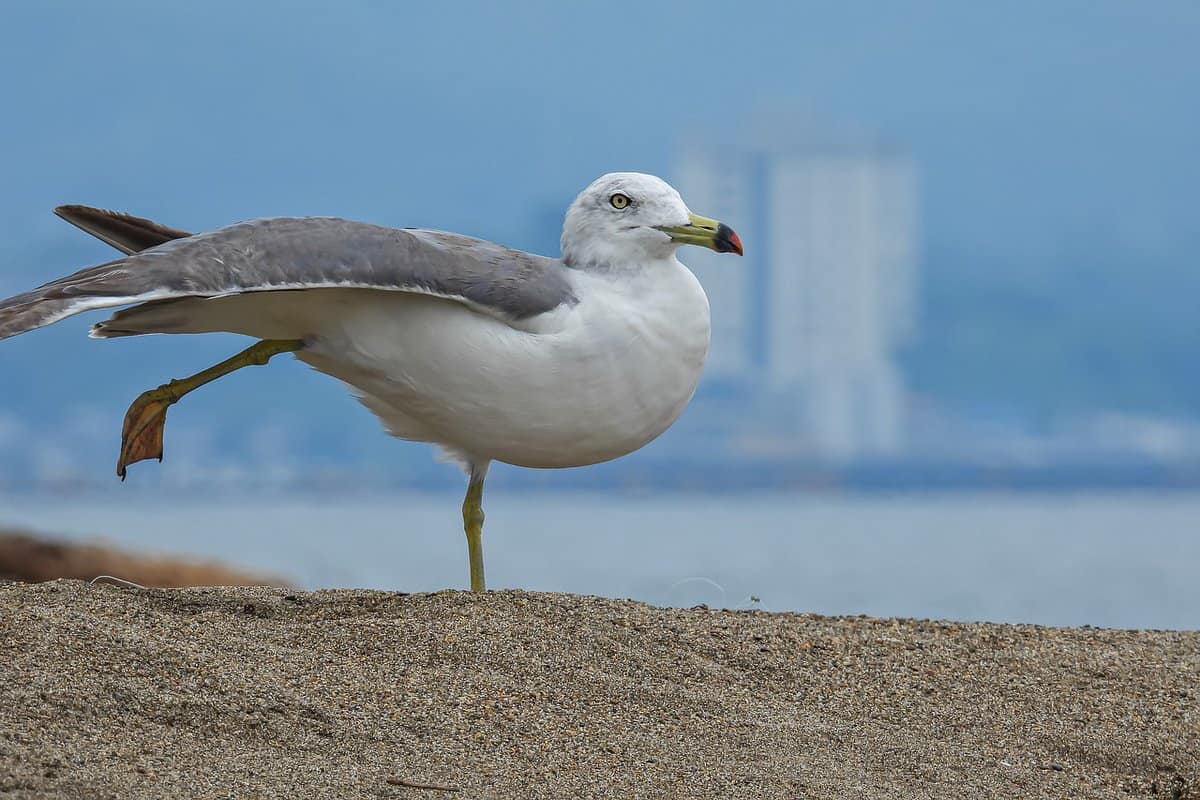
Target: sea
point(1106, 559)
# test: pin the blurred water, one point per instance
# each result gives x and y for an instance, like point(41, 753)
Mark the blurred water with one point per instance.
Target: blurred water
point(1120, 560)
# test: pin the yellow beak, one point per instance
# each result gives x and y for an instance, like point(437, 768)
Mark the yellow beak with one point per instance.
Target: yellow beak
point(705, 232)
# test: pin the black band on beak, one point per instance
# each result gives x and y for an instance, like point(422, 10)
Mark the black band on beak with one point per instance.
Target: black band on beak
point(726, 241)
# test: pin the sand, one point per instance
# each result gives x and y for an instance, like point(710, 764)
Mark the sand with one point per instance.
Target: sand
point(109, 692)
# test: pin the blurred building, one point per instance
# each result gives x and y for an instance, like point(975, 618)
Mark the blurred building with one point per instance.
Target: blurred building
point(806, 329)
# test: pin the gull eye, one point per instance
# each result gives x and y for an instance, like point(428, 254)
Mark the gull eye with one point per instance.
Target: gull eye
point(620, 201)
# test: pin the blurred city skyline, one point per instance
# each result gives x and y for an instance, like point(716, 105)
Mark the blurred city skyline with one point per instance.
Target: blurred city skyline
point(808, 331)
point(1049, 155)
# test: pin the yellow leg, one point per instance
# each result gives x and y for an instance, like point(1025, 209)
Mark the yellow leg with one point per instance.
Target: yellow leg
point(142, 432)
point(473, 523)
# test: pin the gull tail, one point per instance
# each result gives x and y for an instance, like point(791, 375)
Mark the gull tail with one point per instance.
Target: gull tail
point(95, 287)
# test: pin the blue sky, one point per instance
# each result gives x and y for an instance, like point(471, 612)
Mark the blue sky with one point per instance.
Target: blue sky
point(466, 115)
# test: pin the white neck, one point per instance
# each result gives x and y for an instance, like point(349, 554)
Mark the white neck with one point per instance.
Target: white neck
point(600, 254)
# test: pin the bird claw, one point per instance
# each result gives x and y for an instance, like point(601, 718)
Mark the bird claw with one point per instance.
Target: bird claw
point(142, 431)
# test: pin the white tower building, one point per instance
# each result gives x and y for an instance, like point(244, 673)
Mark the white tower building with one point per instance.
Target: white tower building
point(812, 320)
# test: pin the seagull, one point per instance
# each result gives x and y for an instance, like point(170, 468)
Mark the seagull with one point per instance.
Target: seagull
point(490, 353)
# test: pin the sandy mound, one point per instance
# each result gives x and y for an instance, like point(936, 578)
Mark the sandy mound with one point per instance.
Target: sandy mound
point(111, 692)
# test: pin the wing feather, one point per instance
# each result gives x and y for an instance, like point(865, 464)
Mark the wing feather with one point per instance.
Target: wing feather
point(127, 233)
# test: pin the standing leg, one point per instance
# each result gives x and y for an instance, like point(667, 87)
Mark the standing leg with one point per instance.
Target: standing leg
point(473, 523)
point(142, 433)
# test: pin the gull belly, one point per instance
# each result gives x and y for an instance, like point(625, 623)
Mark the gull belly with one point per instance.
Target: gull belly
point(580, 385)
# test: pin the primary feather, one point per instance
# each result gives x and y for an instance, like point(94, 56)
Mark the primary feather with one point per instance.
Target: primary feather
point(127, 233)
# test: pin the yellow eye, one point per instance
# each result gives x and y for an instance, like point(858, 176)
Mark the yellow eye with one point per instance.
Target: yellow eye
point(619, 200)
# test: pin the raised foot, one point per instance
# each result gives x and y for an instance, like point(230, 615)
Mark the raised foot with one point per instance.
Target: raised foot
point(142, 431)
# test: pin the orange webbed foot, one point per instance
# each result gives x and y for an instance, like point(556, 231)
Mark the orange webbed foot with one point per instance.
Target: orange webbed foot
point(142, 432)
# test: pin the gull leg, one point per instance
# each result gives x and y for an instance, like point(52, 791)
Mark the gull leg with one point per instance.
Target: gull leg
point(472, 510)
point(142, 432)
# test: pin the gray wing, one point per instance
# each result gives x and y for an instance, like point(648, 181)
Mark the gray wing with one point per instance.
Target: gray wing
point(290, 253)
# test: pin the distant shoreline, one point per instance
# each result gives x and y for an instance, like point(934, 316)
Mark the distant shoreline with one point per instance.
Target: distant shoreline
point(681, 476)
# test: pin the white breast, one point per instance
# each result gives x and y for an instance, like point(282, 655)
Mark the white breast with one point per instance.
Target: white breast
point(586, 384)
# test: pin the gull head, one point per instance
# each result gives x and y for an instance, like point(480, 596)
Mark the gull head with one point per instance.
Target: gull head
point(629, 219)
